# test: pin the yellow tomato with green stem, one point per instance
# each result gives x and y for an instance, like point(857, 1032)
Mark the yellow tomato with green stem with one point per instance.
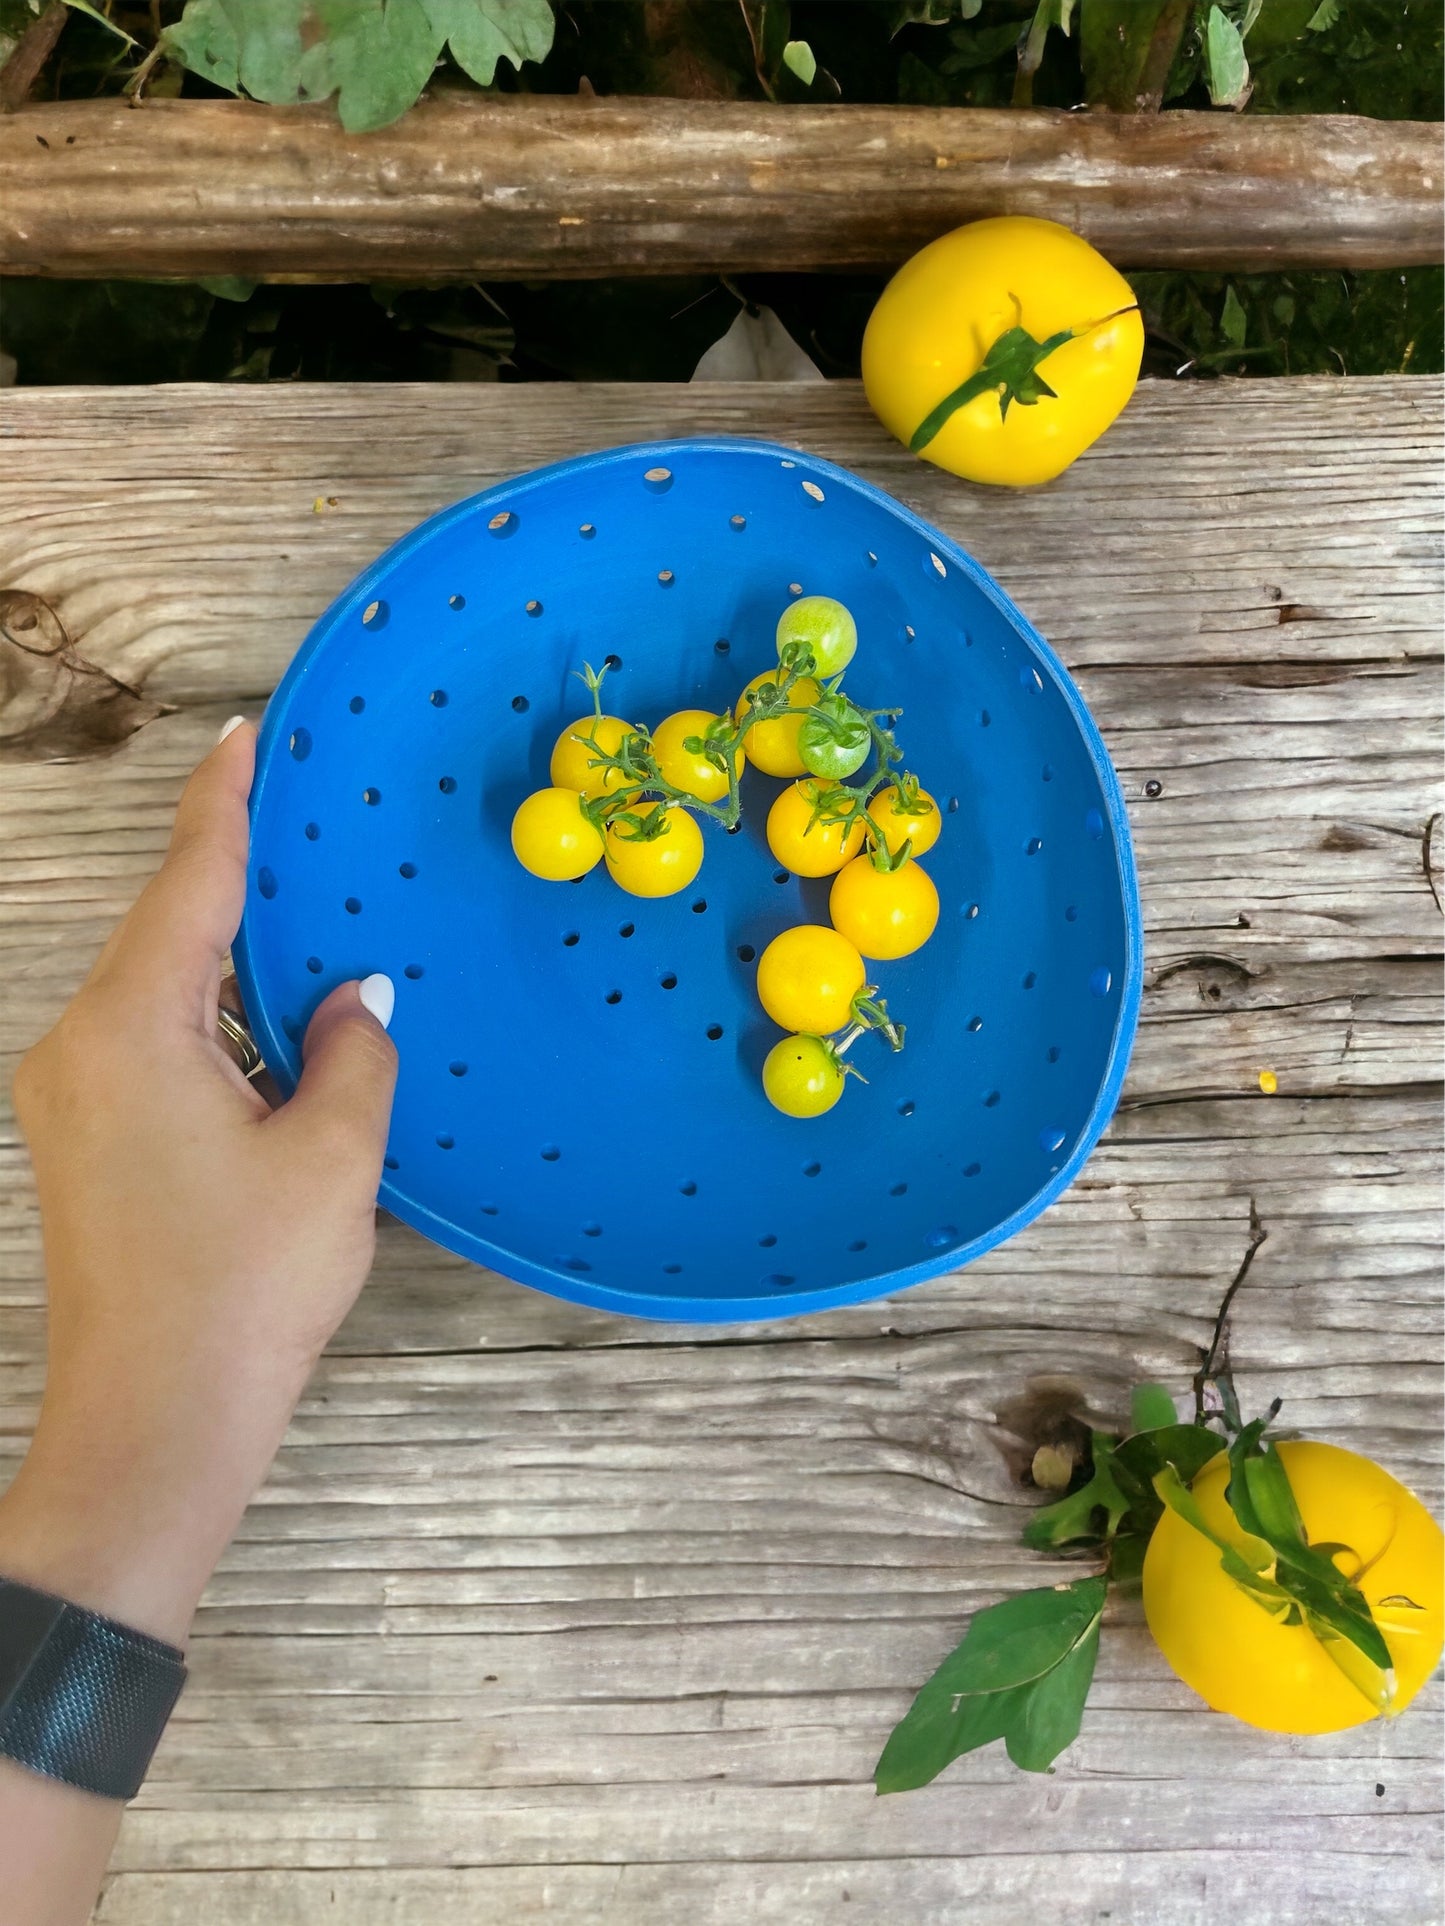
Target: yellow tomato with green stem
point(576, 756)
point(1003, 350)
point(800, 840)
point(553, 836)
point(652, 849)
point(771, 743)
point(809, 979)
point(904, 813)
point(1243, 1660)
point(690, 769)
point(884, 913)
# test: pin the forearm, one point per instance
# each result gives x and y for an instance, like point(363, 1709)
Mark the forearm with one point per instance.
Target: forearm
point(55, 1843)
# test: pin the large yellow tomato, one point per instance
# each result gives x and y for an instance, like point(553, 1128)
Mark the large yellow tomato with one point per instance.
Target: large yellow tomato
point(955, 301)
point(772, 745)
point(1242, 1661)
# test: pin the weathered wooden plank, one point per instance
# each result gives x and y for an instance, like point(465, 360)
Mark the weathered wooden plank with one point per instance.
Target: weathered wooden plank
point(994, 1887)
point(608, 1621)
point(546, 185)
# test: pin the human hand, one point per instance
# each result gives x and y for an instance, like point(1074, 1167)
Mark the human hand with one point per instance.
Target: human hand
point(200, 1249)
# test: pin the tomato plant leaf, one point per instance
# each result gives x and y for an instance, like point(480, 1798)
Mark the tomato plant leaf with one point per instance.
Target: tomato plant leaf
point(374, 55)
point(84, 6)
point(1250, 1561)
point(1225, 65)
point(799, 59)
point(1233, 324)
point(1151, 1408)
point(1092, 1512)
point(1128, 48)
point(1021, 1674)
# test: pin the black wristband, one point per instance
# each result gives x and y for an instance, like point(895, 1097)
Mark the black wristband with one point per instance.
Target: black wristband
point(82, 1699)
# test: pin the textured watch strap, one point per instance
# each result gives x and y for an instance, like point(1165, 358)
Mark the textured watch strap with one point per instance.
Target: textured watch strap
point(82, 1699)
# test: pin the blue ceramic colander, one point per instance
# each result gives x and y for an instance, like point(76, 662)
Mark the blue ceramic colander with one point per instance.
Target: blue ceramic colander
point(579, 1102)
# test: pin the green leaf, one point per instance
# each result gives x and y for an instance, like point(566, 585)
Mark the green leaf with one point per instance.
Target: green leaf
point(481, 33)
point(1151, 1408)
point(374, 55)
point(1079, 1515)
point(1324, 16)
point(1232, 322)
point(1225, 64)
point(1021, 1674)
point(84, 6)
point(1250, 1562)
point(228, 287)
point(798, 59)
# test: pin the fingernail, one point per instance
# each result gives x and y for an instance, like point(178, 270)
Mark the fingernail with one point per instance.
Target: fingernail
point(378, 995)
point(228, 727)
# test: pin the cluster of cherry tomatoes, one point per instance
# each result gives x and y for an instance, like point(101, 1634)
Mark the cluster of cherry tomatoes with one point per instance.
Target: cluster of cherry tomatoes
point(629, 797)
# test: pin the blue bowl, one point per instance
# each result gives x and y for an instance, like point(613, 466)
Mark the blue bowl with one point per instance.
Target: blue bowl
point(579, 1103)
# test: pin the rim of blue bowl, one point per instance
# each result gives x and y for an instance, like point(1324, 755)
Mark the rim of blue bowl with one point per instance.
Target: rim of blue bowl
point(281, 1055)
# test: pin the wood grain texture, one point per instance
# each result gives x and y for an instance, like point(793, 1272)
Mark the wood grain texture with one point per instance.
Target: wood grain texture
point(552, 186)
point(548, 1614)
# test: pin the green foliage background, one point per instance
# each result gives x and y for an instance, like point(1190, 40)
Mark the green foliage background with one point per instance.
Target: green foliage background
point(1384, 58)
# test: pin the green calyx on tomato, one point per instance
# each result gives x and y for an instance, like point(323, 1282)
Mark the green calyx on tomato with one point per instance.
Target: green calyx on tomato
point(835, 740)
point(1011, 370)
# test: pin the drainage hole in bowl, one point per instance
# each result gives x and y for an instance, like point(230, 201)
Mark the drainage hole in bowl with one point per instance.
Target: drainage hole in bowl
point(626, 929)
point(778, 1280)
point(668, 982)
point(1071, 913)
point(700, 906)
point(613, 996)
point(722, 646)
point(414, 971)
point(371, 797)
point(972, 1170)
point(446, 1141)
point(356, 705)
point(457, 1068)
point(672, 1270)
point(520, 705)
point(550, 1153)
point(375, 615)
point(592, 1230)
point(1047, 772)
point(291, 1029)
point(1051, 1138)
point(1052, 1053)
point(975, 1024)
point(390, 1163)
point(448, 785)
point(665, 578)
point(575, 1264)
point(491, 1210)
point(1094, 823)
point(314, 964)
point(858, 1244)
point(1029, 678)
point(907, 1107)
point(300, 744)
point(898, 1190)
point(571, 939)
point(353, 906)
point(714, 1031)
point(944, 1238)
point(1030, 979)
point(953, 805)
point(312, 832)
point(1101, 981)
point(612, 662)
point(746, 952)
point(456, 601)
point(689, 1189)
point(502, 524)
point(990, 1102)
point(767, 1240)
point(266, 883)
point(813, 492)
point(812, 1170)
point(780, 876)
point(739, 522)
point(659, 480)
point(406, 870)
point(438, 698)
point(1033, 845)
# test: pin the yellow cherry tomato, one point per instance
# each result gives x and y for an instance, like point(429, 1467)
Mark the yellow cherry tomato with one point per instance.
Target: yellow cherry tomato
point(917, 822)
point(1239, 1659)
point(808, 978)
point(806, 847)
point(772, 746)
point(680, 766)
point(660, 865)
point(802, 1077)
point(553, 838)
point(945, 310)
point(883, 913)
point(578, 743)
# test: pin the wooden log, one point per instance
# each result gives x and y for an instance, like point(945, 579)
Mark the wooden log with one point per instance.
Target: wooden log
point(578, 187)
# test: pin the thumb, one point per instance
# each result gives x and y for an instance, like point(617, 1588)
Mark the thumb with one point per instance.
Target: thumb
point(348, 1074)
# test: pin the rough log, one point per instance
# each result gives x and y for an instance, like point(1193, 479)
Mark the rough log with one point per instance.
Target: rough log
point(577, 187)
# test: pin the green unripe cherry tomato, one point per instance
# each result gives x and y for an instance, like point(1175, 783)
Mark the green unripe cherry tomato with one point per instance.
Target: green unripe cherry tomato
point(834, 744)
point(825, 626)
point(802, 1077)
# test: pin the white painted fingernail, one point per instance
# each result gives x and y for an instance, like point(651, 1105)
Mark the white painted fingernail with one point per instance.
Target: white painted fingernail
point(228, 727)
point(378, 994)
